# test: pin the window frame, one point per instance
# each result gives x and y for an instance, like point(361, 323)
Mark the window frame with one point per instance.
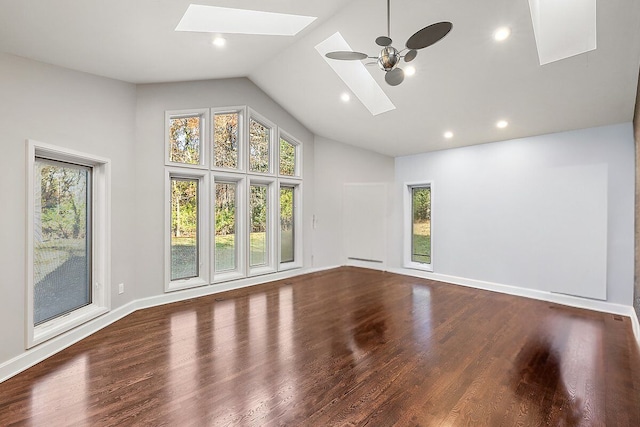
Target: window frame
point(273, 214)
point(297, 225)
point(408, 225)
point(100, 217)
point(205, 137)
point(298, 154)
point(255, 116)
point(203, 229)
point(243, 164)
point(241, 226)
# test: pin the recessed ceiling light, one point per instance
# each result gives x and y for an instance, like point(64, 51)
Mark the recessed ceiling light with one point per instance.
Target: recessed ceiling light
point(345, 97)
point(219, 42)
point(448, 134)
point(410, 70)
point(501, 34)
point(502, 124)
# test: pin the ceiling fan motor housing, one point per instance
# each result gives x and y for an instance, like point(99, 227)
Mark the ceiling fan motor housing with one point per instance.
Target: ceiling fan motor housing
point(389, 58)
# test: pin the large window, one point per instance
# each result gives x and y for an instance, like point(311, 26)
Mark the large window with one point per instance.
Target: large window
point(254, 202)
point(187, 228)
point(68, 250)
point(184, 228)
point(418, 233)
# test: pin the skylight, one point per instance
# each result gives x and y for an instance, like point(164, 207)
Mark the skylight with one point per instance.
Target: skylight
point(214, 19)
point(563, 28)
point(355, 75)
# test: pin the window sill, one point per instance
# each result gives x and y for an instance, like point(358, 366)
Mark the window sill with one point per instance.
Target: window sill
point(62, 324)
point(418, 266)
point(178, 285)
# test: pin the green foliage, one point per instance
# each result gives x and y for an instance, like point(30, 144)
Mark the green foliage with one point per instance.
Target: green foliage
point(184, 207)
point(287, 158)
point(258, 147)
point(225, 129)
point(421, 204)
point(258, 208)
point(184, 137)
point(63, 202)
point(225, 205)
point(286, 208)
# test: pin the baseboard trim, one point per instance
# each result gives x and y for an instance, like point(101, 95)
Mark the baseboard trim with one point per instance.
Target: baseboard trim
point(48, 348)
point(572, 301)
point(636, 324)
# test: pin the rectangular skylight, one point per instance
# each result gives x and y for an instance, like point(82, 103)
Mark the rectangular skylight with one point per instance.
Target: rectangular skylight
point(214, 19)
point(356, 76)
point(563, 28)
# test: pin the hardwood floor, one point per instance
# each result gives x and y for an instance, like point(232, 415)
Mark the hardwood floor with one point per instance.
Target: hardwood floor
point(343, 347)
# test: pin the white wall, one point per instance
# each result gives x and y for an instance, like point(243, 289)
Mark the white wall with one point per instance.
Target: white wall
point(478, 189)
point(70, 109)
point(337, 164)
point(153, 101)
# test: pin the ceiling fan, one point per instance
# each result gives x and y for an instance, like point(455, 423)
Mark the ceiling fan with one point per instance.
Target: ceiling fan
point(389, 56)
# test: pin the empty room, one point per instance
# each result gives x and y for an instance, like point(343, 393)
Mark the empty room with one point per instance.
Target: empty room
point(331, 213)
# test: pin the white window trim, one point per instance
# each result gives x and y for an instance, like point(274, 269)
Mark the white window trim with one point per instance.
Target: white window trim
point(254, 115)
point(203, 229)
point(204, 136)
point(101, 241)
point(298, 147)
point(297, 225)
point(272, 219)
point(408, 225)
point(241, 226)
point(242, 132)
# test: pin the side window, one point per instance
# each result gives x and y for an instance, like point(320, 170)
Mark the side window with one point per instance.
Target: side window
point(186, 219)
point(418, 233)
point(287, 158)
point(68, 252)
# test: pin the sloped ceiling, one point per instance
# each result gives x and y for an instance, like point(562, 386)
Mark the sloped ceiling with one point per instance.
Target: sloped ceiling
point(464, 83)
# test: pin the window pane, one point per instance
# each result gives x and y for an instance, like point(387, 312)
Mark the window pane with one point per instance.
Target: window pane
point(258, 147)
point(62, 239)
point(286, 224)
point(225, 239)
point(287, 158)
point(226, 140)
point(184, 138)
point(421, 236)
point(184, 228)
point(258, 235)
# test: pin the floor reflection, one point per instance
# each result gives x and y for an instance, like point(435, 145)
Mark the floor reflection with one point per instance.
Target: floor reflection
point(538, 380)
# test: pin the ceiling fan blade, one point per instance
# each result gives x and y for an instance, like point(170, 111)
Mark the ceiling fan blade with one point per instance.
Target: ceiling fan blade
point(394, 77)
point(346, 55)
point(429, 35)
point(411, 55)
point(384, 41)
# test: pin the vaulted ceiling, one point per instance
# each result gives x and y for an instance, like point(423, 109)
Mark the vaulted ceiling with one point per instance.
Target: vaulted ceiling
point(463, 84)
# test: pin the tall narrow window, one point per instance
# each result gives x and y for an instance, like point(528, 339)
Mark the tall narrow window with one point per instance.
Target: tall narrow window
point(287, 225)
point(259, 139)
point(226, 220)
point(225, 140)
point(184, 228)
point(421, 225)
point(258, 238)
point(287, 158)
point(62, 255)
point(185, 139)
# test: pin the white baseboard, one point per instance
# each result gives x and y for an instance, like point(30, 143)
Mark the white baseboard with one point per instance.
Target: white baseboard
point(373, 265)
point(48, 348)
point(572, 301)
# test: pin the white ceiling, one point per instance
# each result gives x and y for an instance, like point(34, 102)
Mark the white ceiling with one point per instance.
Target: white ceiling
point(464, 83)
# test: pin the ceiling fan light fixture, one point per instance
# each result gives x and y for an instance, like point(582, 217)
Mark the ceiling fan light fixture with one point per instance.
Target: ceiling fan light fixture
point(410, 70)
point(389, 58)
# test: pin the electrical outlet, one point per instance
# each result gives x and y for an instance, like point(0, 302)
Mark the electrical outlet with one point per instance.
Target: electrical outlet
point(121, 288)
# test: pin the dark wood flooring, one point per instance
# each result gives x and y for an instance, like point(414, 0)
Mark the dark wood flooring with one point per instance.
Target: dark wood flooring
point(343, 347)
